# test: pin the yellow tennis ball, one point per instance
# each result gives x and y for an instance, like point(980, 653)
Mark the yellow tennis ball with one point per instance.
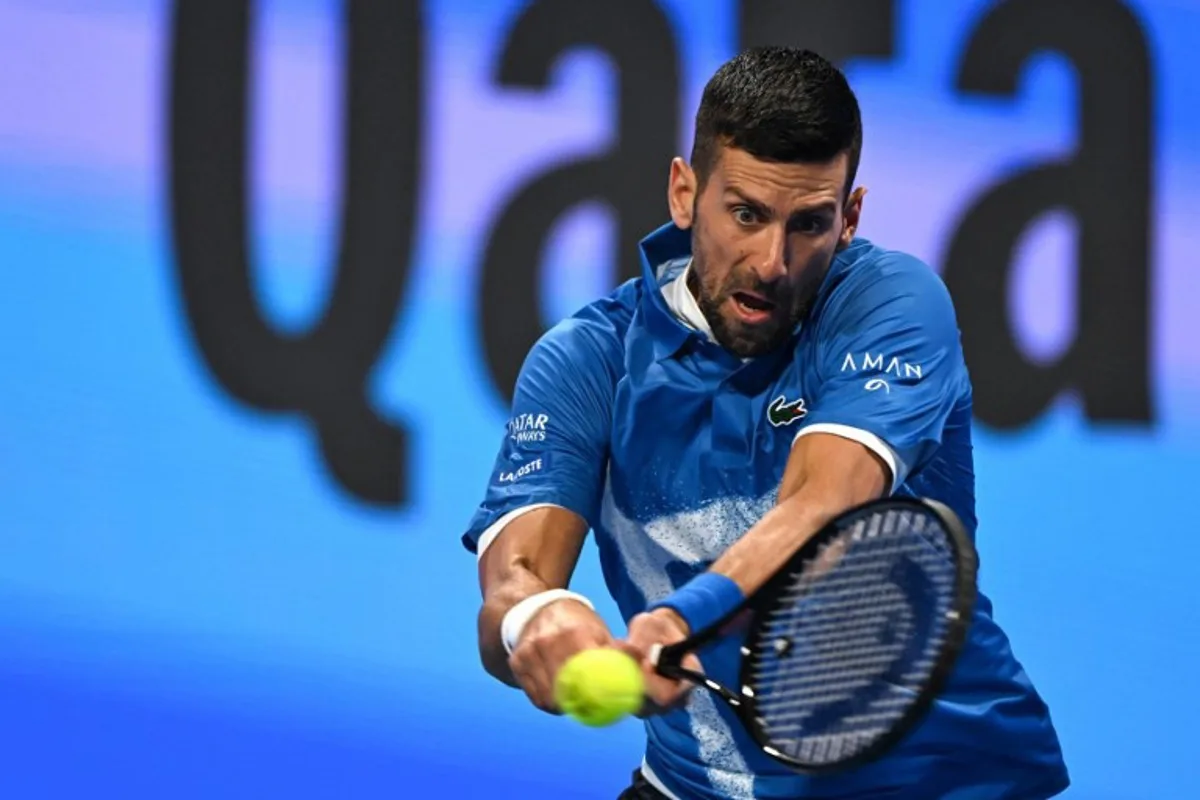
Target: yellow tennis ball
point(599, 687)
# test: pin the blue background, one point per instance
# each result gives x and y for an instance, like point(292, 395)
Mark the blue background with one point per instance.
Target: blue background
point(190, 606)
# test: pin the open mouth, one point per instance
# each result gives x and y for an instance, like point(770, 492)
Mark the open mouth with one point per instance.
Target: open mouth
point(753, 307)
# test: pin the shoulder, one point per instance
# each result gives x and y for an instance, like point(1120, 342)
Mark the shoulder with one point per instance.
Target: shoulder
point(592, 340)
point(867, 281)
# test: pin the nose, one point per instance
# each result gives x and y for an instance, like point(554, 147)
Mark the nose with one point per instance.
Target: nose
point(773, 264)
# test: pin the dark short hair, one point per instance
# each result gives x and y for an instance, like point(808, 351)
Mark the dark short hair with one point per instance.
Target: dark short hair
point(778, 104)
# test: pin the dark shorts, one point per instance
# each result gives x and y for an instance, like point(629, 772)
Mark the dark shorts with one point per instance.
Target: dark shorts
point(641, 789)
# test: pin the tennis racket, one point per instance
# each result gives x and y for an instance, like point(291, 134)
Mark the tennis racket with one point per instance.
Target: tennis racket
point(851, 641)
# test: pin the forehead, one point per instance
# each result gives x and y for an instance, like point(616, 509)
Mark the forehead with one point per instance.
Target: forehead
point(738, 170)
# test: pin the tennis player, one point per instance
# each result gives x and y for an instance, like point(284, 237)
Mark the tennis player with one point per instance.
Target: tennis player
point(769, 370)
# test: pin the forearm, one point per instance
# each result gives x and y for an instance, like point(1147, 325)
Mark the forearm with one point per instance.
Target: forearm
point(766, 547)
point(517, 583)
point(825, 476)
point(535, 553)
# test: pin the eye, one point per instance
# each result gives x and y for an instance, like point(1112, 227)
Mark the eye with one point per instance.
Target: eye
point(812, 225)
point(745, 215)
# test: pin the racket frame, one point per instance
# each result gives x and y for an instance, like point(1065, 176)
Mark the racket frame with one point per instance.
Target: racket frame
point(668, 659)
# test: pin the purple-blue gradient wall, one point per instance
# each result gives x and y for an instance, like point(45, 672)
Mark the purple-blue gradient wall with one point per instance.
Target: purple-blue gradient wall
point(192, 607)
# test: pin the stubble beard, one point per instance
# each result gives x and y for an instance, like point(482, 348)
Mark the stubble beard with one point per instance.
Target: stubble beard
point(746, 341)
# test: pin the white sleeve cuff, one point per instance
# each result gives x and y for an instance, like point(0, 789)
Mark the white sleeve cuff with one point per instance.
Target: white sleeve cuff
point(493, 530)
point(867, 439)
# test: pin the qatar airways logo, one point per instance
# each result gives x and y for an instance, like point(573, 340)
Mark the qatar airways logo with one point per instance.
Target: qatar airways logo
point(884, 366)
point(526, 428)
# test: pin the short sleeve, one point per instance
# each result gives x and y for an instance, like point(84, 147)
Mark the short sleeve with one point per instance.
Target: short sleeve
point(555, 442)
point(890, 363)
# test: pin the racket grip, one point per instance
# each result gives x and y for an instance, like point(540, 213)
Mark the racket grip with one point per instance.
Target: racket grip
point(667, 659)
point(655, 654)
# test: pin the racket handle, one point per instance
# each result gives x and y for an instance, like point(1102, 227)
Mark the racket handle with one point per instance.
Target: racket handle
point(672, 668)
point(655, 654)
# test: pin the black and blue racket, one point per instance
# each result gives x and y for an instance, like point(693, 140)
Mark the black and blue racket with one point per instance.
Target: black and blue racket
point(851, 641)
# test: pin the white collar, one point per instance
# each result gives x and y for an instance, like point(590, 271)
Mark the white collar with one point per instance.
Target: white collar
point(683, 303)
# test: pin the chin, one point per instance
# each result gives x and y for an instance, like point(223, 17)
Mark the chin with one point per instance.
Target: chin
point(750, 346)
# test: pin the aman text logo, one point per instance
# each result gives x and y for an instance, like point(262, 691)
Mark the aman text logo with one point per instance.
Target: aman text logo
point(880, 363)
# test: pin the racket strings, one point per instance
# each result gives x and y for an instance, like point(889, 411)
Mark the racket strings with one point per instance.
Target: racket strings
point(854, 636)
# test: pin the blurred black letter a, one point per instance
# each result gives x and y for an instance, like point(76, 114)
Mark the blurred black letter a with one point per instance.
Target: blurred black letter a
point(1106, 185)
point(630, 176)
point(323, 372)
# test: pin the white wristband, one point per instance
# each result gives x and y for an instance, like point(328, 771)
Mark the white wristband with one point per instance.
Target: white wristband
point(519, 615)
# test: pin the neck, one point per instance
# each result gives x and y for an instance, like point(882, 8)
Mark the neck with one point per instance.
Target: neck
point(693, 282)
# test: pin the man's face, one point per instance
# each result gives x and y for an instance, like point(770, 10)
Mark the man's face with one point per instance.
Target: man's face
point(763, 237)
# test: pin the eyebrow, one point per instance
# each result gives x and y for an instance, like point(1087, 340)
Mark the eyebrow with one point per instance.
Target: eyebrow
point(821, 207)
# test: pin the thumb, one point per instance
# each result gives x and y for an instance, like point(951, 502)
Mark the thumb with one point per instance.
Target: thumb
point(639, 654)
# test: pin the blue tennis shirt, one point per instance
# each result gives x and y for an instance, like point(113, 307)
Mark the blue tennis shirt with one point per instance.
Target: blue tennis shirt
point(630, 415)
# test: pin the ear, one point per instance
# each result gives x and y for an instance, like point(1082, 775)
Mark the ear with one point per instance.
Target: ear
point(681, 193)
point(851, 216)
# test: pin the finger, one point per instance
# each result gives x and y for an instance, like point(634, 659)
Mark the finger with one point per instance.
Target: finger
point(669, 693)
point(544, 677)
point(634, 650)
point(682, 690)
point(535, 679)
point(649, 709)
point(662, 691)
point(642, 639)
point(549, 656)
point(668, 698)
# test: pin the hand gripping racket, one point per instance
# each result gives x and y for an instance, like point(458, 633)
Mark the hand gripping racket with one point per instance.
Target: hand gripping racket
point(851, 641)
